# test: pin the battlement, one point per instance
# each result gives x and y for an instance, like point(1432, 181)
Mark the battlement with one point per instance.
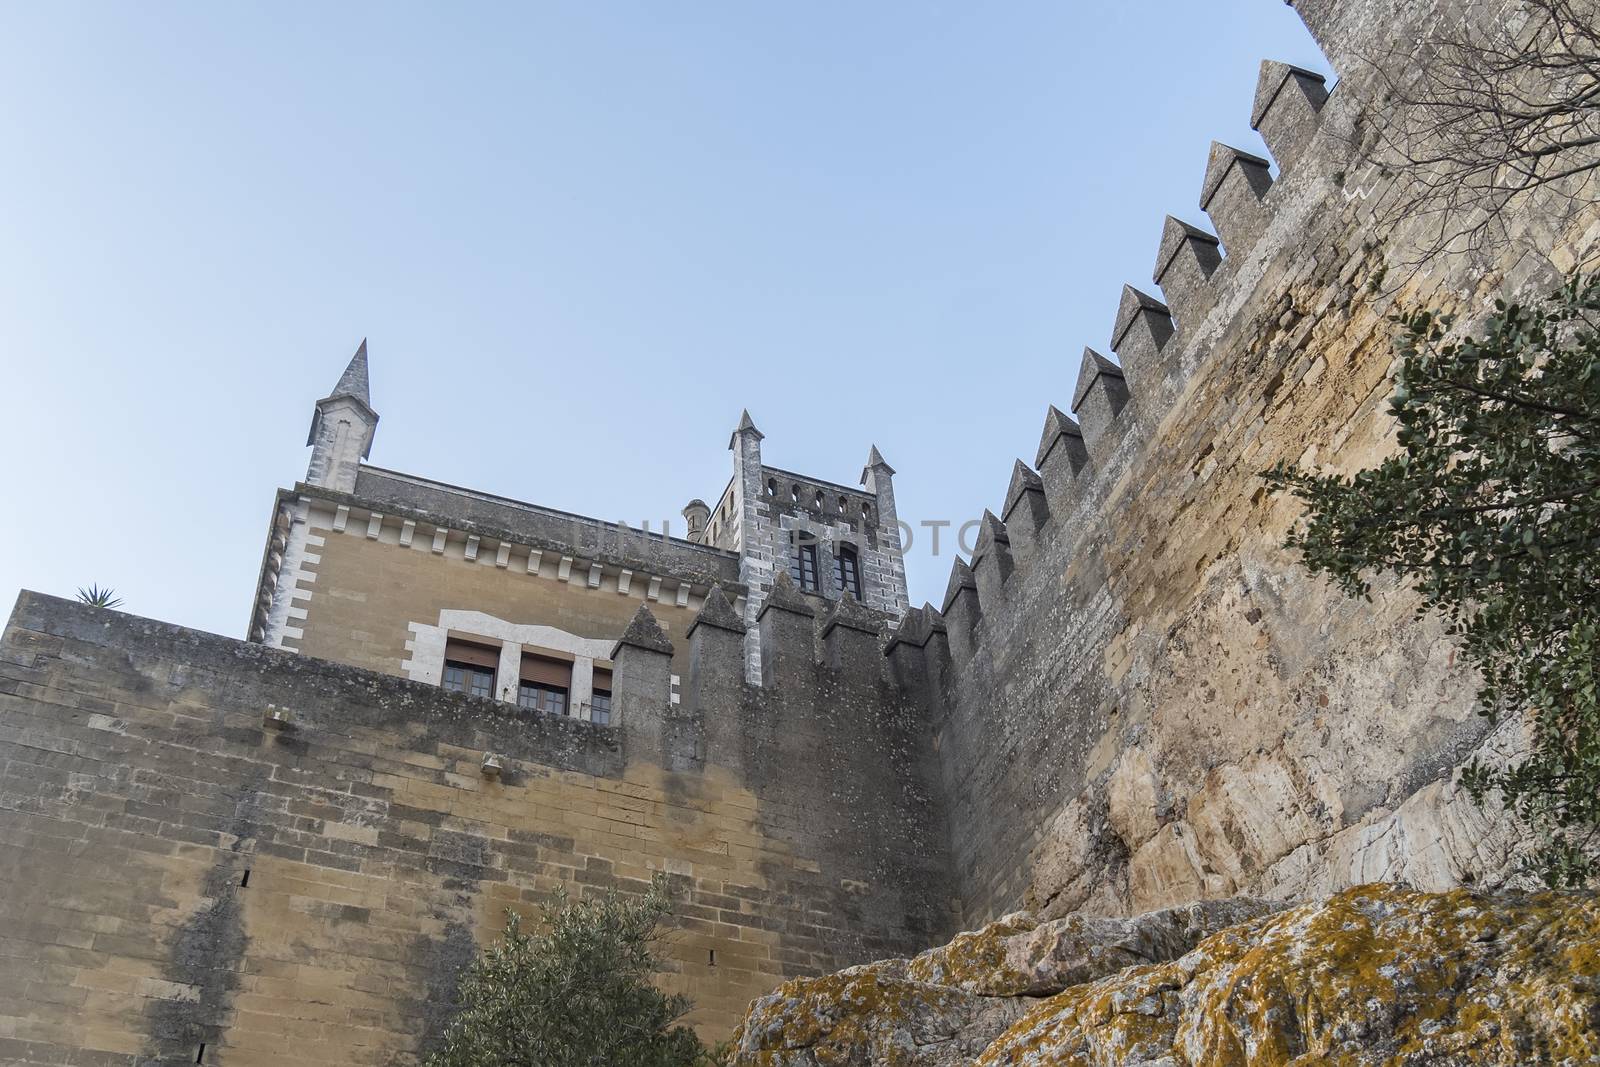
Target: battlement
point(1095, 670)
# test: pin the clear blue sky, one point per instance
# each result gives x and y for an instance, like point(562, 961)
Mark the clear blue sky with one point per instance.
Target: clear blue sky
point(580, 237)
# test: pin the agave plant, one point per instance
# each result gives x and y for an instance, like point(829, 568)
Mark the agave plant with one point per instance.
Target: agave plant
point(98, 597)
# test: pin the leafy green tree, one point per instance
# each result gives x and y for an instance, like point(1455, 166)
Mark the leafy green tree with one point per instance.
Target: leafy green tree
point(576, 993)
point(1491, 511)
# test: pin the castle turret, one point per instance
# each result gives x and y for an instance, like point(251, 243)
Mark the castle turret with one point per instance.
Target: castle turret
point(696, 514)
point(754, 571)
point(342, 428)
point(877, 477)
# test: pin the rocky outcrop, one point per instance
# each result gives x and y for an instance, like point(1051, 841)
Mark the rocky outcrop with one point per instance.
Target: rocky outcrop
point(950, 1003)
point(1376, 975)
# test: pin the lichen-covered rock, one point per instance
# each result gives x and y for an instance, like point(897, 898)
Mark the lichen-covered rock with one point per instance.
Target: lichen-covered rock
point(1019, 956)
point(870, 1015)
point(1377, 976)
point(1374, 976)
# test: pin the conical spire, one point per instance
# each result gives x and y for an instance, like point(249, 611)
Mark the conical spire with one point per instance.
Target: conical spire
point(875, 461)
point(746, 425)
point(353, 382)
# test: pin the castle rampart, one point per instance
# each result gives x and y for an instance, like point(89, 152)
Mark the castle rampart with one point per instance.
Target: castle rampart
point(182, 869)
point(1144, 698)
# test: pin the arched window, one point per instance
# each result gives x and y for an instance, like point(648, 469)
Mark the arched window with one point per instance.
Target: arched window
point(847, 569)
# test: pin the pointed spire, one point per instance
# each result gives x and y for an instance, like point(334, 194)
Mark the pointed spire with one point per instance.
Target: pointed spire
point(643, 632)
point(353, 382)
point(934, 620)
point(1023, 480)
point(960, 578)
point(785, 597)
point(746, 425)
point(716, 612)
point(875, 461)
point(1094, 366)
point(1057, 424)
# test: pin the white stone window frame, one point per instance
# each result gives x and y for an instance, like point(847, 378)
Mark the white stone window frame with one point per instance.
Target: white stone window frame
point(427, 645)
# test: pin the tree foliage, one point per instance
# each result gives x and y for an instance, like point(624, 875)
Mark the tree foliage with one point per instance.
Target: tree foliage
point(576, 993)
point(1490, 107)
point(1491, 509)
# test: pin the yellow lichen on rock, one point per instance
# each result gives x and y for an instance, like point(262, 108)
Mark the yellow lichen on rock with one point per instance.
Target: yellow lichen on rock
point(1374, 976)
point(1377, 976)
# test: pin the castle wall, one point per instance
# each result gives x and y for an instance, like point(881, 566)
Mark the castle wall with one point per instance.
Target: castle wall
point(139, 787)
point(1158, 702)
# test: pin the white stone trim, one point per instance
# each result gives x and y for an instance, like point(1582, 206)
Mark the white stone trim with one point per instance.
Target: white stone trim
point(408, 529)
point(471, 551)
point(439, 535)
point(502, 555)
point(341, 518)
point(427, 646)
point(624, 580)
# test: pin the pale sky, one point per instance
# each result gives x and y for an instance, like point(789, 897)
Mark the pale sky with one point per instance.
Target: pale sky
point(580, 238)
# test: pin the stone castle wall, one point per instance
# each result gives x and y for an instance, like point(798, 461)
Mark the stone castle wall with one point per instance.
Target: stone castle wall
point(1143, 698)
point(177, 873)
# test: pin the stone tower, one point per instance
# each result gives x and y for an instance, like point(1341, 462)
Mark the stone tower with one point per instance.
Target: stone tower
point(342, 427)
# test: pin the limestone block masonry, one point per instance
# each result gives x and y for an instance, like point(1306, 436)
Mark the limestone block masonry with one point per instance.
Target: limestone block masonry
point(281, 850)
point(180, 872)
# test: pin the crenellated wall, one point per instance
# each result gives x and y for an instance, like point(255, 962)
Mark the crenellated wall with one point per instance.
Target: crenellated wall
point(182, 871)
point(1138, 697)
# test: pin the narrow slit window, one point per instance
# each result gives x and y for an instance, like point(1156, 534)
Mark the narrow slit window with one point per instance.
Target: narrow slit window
point(847, 569)
point(600, 701)
point(803, 564)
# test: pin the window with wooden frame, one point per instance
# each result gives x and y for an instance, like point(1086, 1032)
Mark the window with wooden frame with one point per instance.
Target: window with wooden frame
point(545, 684)
point(847, 569)
point(600, 701)
point(469, 667)
point(803, 563)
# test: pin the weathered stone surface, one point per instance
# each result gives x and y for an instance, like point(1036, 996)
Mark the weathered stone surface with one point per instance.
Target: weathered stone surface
point(868, 1016)
point(1377, 975)
point(1020, 956)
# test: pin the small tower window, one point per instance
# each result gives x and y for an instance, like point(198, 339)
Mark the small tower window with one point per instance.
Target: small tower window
point(847, 569)
point(794, 493)
point(820, 504)
point(866, 514)
point(772, 487)
point(803, 564)
point(841, 505)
